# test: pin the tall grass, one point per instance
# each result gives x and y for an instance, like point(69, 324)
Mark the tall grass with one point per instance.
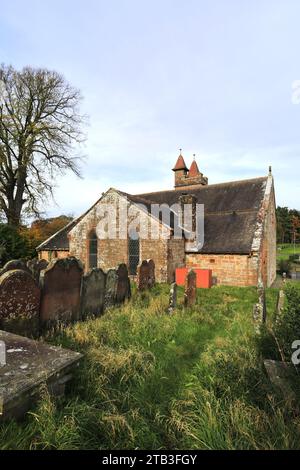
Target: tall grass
point(150, 380)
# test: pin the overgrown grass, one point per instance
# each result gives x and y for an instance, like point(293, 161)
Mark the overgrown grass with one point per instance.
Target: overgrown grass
point(284, 250)
point(153, 381)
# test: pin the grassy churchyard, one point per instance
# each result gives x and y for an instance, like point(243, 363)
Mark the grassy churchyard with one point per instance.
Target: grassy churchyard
point(190, 380)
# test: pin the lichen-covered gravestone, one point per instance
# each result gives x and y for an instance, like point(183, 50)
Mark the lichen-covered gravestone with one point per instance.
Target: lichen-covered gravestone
point(151, 268)
point(190, 289)
point(111, 288)
point(260, 309)
point(61, 285)
point(13, 265)
point(36, 266)
point(93, 293)
point(19, 303)
point(143, 275)
point(123, 291)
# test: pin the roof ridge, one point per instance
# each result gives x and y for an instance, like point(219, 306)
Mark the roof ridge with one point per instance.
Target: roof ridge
point(204, 187)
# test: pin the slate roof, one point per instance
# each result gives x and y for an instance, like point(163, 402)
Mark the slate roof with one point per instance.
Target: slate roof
point(230, 214)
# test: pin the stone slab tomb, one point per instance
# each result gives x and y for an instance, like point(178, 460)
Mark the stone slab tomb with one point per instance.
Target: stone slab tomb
point(93, 293)
point(61, 285)
point(29, 364)
point(19, 303)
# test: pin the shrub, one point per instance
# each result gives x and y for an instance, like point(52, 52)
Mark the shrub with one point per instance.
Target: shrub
point(284, 266)
point(13, 245)
point(287, 328)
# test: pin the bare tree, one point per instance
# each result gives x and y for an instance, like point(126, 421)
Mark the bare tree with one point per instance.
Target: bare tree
point(40, 125)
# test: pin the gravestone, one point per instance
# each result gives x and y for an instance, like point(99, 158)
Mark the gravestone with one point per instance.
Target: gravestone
point(36, 266)
point(61, 285)
point(143, 275)
point(93, 293)
point(123, 291)
point(279, 304)
point(111, 288)
point(151, 267)
point(260, 309)
point(2, 354)
point(190, 289)
point(282, 375)
point(14, 264)
point(173, 297)
point(19, 303)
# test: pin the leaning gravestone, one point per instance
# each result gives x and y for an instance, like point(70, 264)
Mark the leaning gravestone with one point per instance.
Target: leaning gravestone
point(190, 289)
point(93, 293)
point(279, 304)
point(260, 309)
point(111, 288)
point(151, 267)
point(61, 284)
point(14, 264)
point(123, 291)
point(36, 266)
point(173, 297)
point(19, 303)
point(143, 275)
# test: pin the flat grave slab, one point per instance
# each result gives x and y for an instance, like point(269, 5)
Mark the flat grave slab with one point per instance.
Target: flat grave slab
point(29, 364)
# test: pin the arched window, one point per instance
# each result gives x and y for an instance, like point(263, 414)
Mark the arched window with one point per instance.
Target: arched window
point(133, 253)
point(93, 250)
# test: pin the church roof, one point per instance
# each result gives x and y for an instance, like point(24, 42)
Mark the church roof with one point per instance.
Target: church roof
point(230, 214)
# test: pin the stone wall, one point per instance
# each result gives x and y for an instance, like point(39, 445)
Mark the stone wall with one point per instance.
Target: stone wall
point(268, 250)
point(112, 252)
point(232, 270)
point(50, 255)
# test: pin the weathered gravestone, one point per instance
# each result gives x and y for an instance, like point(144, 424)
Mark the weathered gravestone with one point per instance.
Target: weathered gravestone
point(260, 309)
point(190, 289)
point(29, 365)
point(14, 264)
point(111, 288)
point(2, 354)
point(93, 293)
point(151, 268)
point(283, 375)
point(143, 275)
point(36, 266)
point(123, 291)
point(173, 297)
point(279, 304)
point(61, 285)
point(19, 303)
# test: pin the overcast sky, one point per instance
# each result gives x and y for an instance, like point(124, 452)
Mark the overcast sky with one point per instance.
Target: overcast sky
point(214, 77)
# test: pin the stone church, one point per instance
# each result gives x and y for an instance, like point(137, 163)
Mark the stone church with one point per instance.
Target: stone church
point(239, 230)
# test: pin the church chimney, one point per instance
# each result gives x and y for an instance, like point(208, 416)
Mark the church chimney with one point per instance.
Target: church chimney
point(188, 179)
point(181, 171)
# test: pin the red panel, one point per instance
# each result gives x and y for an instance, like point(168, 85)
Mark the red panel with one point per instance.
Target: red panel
point(203, 277)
